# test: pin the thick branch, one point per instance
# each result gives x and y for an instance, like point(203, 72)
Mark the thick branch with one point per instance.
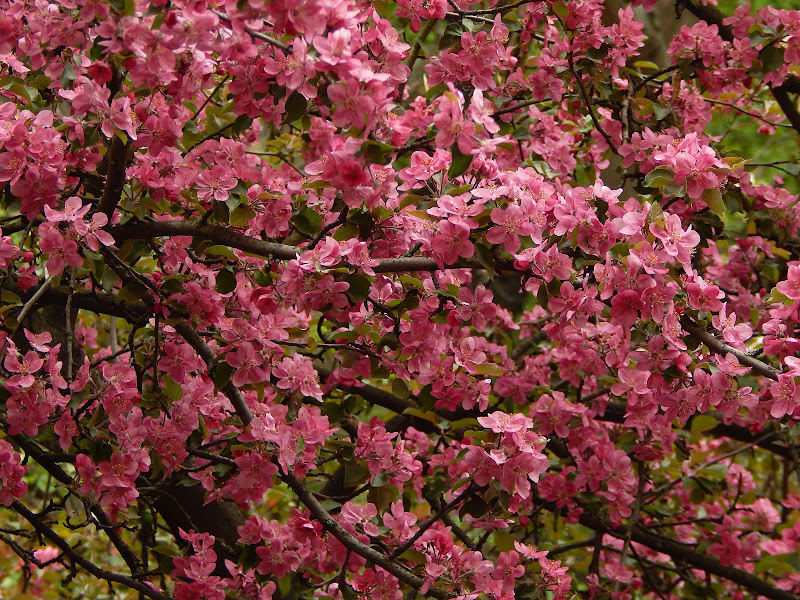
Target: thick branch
point(687, 555)
point(234, 239)
point(115, 176)
point(720, 347)
point(352, 544)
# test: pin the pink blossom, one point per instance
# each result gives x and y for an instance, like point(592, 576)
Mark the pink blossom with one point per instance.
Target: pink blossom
point(61, 251)
point(452, 241)
point(297, 373)
point(511, 223)
point(790, 287)
point(119, 471)
point(677, 242)
point(355, 109)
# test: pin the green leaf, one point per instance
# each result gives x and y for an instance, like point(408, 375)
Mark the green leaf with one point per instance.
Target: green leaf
point(485, 258)
point(734, 163)
point(296, 106)
point(307, 220)
point(773, 566)
point(241, 216)
point(772, 58)
point(415, 556)
point(460, 164)
point(382, 495)
point(400, 389)
point(67, 75)
point(222, 374)
point(133, 291)
point(9, 297)
point(489, 369)
point(220, 250)
point(660, 111)
point(659, 177)
point(503, 541)
point(376, 152)
point(171, 389)
point(359, 287)
point(428, 416)
point(713, 197)
point(384, 9)
point(226, 281)
point(735, 223)
point(697, 496)
point(793, 169)
point(379, 480)
point(354, 473)
point(221, 212)
point(165, 549)
point(242, 123)
point(561, 10)
point(345, 232)
point(702, 423)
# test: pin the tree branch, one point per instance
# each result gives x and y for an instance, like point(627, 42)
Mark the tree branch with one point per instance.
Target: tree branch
point(44, 459)
point(262, 248)
point(352, 544)
point(682, 553)
point(720, 347)
point(73, 555)
point(118, 156)
point(711, 14)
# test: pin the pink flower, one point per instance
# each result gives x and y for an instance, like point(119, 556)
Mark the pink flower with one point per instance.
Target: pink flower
point(119, 471)
point(501, 422)
point(476, 307)
point(74, 210)
point(354, 109)
point(247, 363)
point(215, 183)
point(12, 485)
point(61, 251)
point(785, 396)
point(452, 241)
point(735, 335)
point(297, 373)
point(25, 370)
point(452, 127)
point(510, 224)
point(328, 291)
point(672, 331)
point(677, 242)
point(790, 287)
point(93, 232)
point(625, 307)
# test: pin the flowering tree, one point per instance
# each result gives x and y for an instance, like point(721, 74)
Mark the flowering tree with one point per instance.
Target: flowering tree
point(360, 299)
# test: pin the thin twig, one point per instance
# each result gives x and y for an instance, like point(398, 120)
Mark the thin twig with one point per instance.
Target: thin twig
point(75, 557)
point(255, 34)
point(70, 334)
point(430, 522)
point(746, 112)
point(589, 106)
point(27, 308)
point(210, 96)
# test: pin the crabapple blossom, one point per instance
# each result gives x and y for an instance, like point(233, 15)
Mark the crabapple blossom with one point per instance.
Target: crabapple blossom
point(340, 299)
